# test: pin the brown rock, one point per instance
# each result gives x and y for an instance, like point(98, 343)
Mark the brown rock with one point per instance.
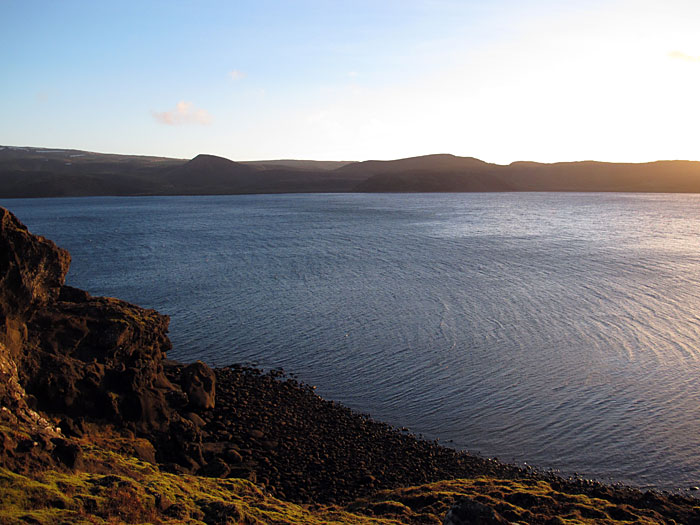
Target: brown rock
point(75, 354)
point(68, 453)
point(244, 473)
point(100, 358)
point(221, 513)
point(71, 427)
point(199, 382)
point(256, 434)
point(145, 451)
point(32, 268)
point(215, 469)
point(232, 456)
point(470, 512)
point(195, 419)
point(67, 353)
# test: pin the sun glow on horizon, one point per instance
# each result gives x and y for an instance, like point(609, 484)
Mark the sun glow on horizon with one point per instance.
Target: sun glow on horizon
point(594, 87)
point(503, 81)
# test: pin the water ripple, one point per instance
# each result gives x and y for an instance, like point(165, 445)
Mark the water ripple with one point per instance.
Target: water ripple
point(557, 329)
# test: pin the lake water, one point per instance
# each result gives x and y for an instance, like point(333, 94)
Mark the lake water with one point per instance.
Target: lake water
point(562, 330)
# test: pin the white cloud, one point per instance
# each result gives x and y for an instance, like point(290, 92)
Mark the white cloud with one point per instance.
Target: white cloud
point(682, 56)
point(236, 74)
point(184, 113)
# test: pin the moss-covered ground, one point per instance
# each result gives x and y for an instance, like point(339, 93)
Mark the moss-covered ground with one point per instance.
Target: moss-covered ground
point(119, 488)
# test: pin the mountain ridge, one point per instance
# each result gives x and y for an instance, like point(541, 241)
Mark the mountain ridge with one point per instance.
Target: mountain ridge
point(46, 172)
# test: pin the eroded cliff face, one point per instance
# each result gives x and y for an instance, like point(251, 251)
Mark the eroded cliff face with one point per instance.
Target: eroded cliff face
point(99, 357)
point(67, 356)
point(32, 272)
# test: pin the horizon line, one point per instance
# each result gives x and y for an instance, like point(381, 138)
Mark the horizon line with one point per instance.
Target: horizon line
point(47, 149)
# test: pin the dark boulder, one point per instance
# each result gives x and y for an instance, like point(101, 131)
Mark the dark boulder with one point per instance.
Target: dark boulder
point(199, 383)
point(68, 453)
point(471, 512)
point(100, 358)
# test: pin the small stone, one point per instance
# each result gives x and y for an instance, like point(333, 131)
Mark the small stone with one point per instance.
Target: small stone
point(195, 419)
point(70, 454)
point(215, 469)
point(232, 456)
point(368, 479)
point(470, 512)
point(145, 451)
point(243, 473)
point(71, 428)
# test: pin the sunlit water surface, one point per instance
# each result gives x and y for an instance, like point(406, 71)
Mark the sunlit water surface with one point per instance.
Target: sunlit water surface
point(562, 330)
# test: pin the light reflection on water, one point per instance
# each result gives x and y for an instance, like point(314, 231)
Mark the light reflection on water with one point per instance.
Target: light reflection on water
point(557, 329)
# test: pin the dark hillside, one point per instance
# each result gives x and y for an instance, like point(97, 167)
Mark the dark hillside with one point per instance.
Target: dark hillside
point(300, 165)
point(676, 176)
point(441, 163)
point(35, 172)
point(429, 181)
point(588, 176)
point(206, 175)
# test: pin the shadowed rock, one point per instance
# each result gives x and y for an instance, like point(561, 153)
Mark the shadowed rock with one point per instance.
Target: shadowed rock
point(101, 358)
point(471, 512)
point(198, 382)
point(68, 354)
point(32, 268)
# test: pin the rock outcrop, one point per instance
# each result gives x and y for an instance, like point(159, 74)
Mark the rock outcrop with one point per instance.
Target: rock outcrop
point(99, 358)
point(471, 512)
point(32, 271)
point(66, 354)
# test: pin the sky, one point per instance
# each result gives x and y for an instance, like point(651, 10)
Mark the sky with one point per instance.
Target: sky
point(500, 80)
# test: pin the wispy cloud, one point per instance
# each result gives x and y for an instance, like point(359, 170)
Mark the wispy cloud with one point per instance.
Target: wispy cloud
point(236, 74)
point(184, 113)
point(682, 56)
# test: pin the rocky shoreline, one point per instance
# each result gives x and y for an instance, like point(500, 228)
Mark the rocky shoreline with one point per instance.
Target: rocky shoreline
point(89, 398)
point(305, 449)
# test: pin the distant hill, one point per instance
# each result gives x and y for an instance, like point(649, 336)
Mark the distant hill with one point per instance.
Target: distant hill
point(674, 176)
point(430, 173)
point(303, 165)
point(43, 172)
point(206, 174)
point(458, 174)
point(442, 163)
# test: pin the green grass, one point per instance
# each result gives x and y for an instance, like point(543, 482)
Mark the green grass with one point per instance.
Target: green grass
point(119, 488)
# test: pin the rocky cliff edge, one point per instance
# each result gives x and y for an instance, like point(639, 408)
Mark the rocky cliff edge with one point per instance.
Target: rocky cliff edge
point(71, 357)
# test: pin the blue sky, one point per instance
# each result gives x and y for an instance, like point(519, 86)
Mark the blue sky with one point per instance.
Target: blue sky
point(354, 80)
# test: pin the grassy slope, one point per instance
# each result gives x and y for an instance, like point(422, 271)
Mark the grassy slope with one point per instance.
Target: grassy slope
point(118, 488)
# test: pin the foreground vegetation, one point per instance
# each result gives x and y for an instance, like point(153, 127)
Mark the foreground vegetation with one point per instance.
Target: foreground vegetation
point(116, 487)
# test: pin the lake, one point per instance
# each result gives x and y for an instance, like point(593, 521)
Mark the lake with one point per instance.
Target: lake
point(561, 330)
